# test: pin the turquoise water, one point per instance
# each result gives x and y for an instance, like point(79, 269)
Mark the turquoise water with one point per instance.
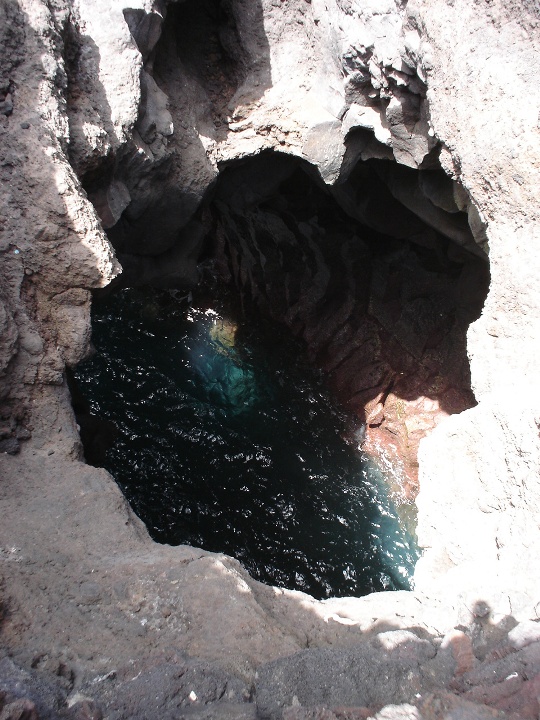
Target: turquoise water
point(228, 441)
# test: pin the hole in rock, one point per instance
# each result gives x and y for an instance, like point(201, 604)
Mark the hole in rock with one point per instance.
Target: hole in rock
point(325, 318)
point(201, 46)
point(228, 440)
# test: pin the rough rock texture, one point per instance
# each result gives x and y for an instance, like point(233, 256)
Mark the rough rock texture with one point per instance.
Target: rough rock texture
point(500, 344)
point(477, 495)
point(99, 619)
point(384, 315)
point(53, 247)
point(139, 109)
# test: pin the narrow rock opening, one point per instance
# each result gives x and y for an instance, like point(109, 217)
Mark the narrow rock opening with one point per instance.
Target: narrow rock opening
point(377, 278)
point(201, 43)
point(196, 57)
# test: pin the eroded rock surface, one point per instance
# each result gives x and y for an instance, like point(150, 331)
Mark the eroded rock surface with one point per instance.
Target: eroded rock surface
point(383, 313)
point(143, 107)
point(53, 247)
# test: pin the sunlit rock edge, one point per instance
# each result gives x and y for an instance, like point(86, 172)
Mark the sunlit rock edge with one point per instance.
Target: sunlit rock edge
point(83, 587)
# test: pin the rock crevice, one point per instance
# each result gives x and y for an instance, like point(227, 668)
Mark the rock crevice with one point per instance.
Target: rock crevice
point(113, 118)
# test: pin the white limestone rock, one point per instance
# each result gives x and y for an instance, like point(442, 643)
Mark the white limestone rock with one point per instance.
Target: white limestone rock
point(479, 503)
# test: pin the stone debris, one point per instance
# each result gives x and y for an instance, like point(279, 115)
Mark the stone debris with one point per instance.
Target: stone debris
point(369, 680)
point(88, 602)
point(6, 104)
point(524, 634)
point(19, 710)
point(10, 446)
point(349, 683)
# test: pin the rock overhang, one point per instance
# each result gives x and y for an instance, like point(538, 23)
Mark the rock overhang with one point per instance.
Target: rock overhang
point(482, 112)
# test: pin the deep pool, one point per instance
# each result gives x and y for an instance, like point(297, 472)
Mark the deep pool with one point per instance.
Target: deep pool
point(228, 441)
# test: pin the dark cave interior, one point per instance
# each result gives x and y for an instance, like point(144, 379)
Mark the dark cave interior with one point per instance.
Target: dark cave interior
point(376, 276)
point(379, 300)
point(379, 276)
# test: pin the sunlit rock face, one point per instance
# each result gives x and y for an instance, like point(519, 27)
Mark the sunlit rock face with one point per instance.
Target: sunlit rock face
point(377, 100)
point(118, 120)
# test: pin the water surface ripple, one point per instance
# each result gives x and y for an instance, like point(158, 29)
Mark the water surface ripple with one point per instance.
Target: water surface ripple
point(228, 441)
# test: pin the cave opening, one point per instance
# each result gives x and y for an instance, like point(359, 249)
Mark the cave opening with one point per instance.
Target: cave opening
point(324, 319)
point(379, 276)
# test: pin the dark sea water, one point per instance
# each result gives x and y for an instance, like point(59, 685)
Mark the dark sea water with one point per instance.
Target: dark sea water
point(229, 442)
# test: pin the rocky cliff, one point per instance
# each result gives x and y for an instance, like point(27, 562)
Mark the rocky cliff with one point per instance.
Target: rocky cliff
point(133, 134)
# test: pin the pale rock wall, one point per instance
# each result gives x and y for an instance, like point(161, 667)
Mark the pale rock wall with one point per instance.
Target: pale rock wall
point(53, 247)
point(104, 89)
point(478, 505)
point(478, 64)
point(488, 119)
point(483, 110)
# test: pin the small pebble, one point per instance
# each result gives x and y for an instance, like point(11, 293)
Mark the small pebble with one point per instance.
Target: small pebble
point(51, 452)
point(481, 609)
point(6, 105)
point(10, 446)
point(25, 125)
point(90, 593)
